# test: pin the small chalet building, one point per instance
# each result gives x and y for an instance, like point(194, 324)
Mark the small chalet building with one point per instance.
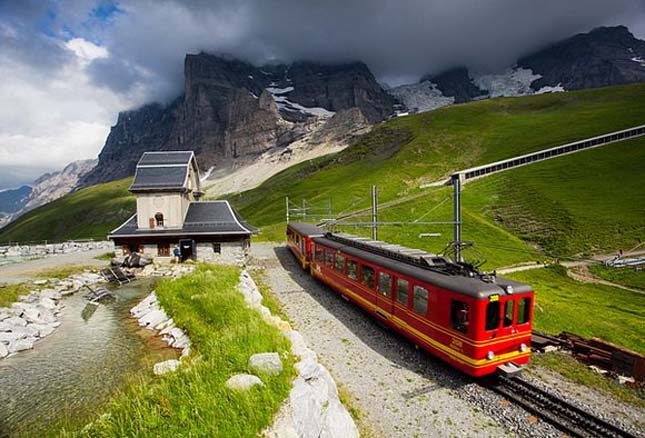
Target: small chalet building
point(166, 185)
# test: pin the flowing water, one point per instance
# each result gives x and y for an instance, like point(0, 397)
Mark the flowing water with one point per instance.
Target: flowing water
point(77, 367)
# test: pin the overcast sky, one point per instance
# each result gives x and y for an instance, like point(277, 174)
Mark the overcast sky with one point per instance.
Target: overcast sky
point(69, 66)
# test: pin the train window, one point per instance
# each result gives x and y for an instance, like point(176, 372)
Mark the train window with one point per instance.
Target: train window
point(352, 269)
point(385, 284)
point(329, 257)
point(420, 300)
point(340, 263)
point(492, 315)
point(508, 312)
point(367, 275)
point(402, 288)
point(523, 308)
point(319, 254)
point(460, 315)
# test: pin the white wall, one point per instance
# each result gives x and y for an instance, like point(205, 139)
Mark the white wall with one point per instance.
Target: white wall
point(173, 206)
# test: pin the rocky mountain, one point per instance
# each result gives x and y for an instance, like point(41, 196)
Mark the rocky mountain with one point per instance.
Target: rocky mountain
point(231, 112)
point(12, 200)
point(45, 189)
point(605, 56)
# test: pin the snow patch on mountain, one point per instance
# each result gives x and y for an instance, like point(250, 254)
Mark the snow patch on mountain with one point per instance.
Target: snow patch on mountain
point(512, 82)
point(283, 102)
point(640, 60)
point(421, 97)
point(547, 89)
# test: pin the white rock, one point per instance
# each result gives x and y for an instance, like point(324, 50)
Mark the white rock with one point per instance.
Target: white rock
point(243, 382)
point(51, 294)
point(14, 321)
point(43, 329)
point(9, 337)
point(40, 282)
point(167, 366)
point(269, 363)
point(48, 303)
point(21, 344)
point(307, 405)
point(3, 350)
point(153, 318)
point(338, 422)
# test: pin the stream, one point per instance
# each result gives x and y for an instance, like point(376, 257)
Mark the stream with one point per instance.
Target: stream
point(76, 368)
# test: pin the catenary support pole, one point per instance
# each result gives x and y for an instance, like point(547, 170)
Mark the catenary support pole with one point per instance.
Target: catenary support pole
point(374, 214)
point(456, 184)
point(286, 201)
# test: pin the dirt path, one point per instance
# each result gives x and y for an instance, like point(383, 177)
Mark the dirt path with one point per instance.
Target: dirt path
point(22, 271)
point(399, 390)
point(583, 274)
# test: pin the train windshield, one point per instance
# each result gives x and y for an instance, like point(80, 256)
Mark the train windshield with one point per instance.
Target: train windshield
point(523, 310)
point(492, 315)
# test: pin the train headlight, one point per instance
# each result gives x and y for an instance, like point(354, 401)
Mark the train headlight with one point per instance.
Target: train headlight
point(509, 289)
point(523, 347)
point(490, 355)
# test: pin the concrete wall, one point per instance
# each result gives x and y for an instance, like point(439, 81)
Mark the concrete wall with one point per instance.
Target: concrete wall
point(173, 206)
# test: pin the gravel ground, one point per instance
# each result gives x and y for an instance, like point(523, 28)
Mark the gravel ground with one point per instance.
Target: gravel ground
point(400, 390)
point(25, 270)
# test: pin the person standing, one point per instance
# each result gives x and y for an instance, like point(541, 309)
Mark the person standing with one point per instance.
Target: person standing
point(176, 253)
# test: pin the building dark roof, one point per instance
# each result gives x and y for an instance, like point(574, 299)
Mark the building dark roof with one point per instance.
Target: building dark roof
point(472, 287)
point(202, 218)
point(163, 171)
point(159, 178)
point(165, 157)
point(306, 229)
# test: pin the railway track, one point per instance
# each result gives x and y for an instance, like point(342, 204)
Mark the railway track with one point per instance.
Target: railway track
point(570, 419)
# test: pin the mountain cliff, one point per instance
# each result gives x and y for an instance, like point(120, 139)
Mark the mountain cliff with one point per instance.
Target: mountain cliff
point(605, 56)
point(231, 112)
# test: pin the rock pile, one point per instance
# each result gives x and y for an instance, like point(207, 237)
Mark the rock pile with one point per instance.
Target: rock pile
point(36, 315)
point(152, 316)
point(53, 248)
point(313, 408)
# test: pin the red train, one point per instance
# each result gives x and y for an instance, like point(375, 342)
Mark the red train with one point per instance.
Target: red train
point(479, 323)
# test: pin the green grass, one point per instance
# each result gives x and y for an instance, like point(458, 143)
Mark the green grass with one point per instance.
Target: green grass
point(579, 373)
point(195, 401)
point(268, 297)
point(90, 213)
point(627, 276)
point(576, 204)
point(107, 256)
point(590, 310)
point(61, 272)
point(10, 292)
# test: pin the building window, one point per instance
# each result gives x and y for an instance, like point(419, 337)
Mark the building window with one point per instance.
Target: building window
point(217, 248)
point(367, 275)
point(352, 269)
point(319, 254)
point(420, 300)
point(402, 287)
point(385, 284)
point(163, 249)
point(159, 219)
point(460, 315)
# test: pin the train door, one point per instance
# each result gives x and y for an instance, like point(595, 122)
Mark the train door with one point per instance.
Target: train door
point(384, 292)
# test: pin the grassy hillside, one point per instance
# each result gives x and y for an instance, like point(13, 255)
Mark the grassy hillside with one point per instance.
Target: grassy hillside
point(88, 213)
point(581, 203)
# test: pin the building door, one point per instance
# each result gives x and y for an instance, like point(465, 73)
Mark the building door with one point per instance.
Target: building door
point(187, 249)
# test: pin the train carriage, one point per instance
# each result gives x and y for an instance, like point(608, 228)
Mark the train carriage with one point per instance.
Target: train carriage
point(478, 323)
point(299, 235)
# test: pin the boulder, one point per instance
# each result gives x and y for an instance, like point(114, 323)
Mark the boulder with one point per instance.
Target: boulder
point(338, 422)
point(14, 321)
point(51, 294)
point(153, 318)
point(43, 329)
point(243, 382)
point(268, 363)
point(40, 282)
point(48, 303)
point(21, 344)
point(4, 352)
point(167, 366)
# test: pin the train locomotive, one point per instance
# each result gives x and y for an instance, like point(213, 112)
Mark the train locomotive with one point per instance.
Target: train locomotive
point(479, 323)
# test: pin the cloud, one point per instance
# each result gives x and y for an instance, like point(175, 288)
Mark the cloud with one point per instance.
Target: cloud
point(69, 66)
